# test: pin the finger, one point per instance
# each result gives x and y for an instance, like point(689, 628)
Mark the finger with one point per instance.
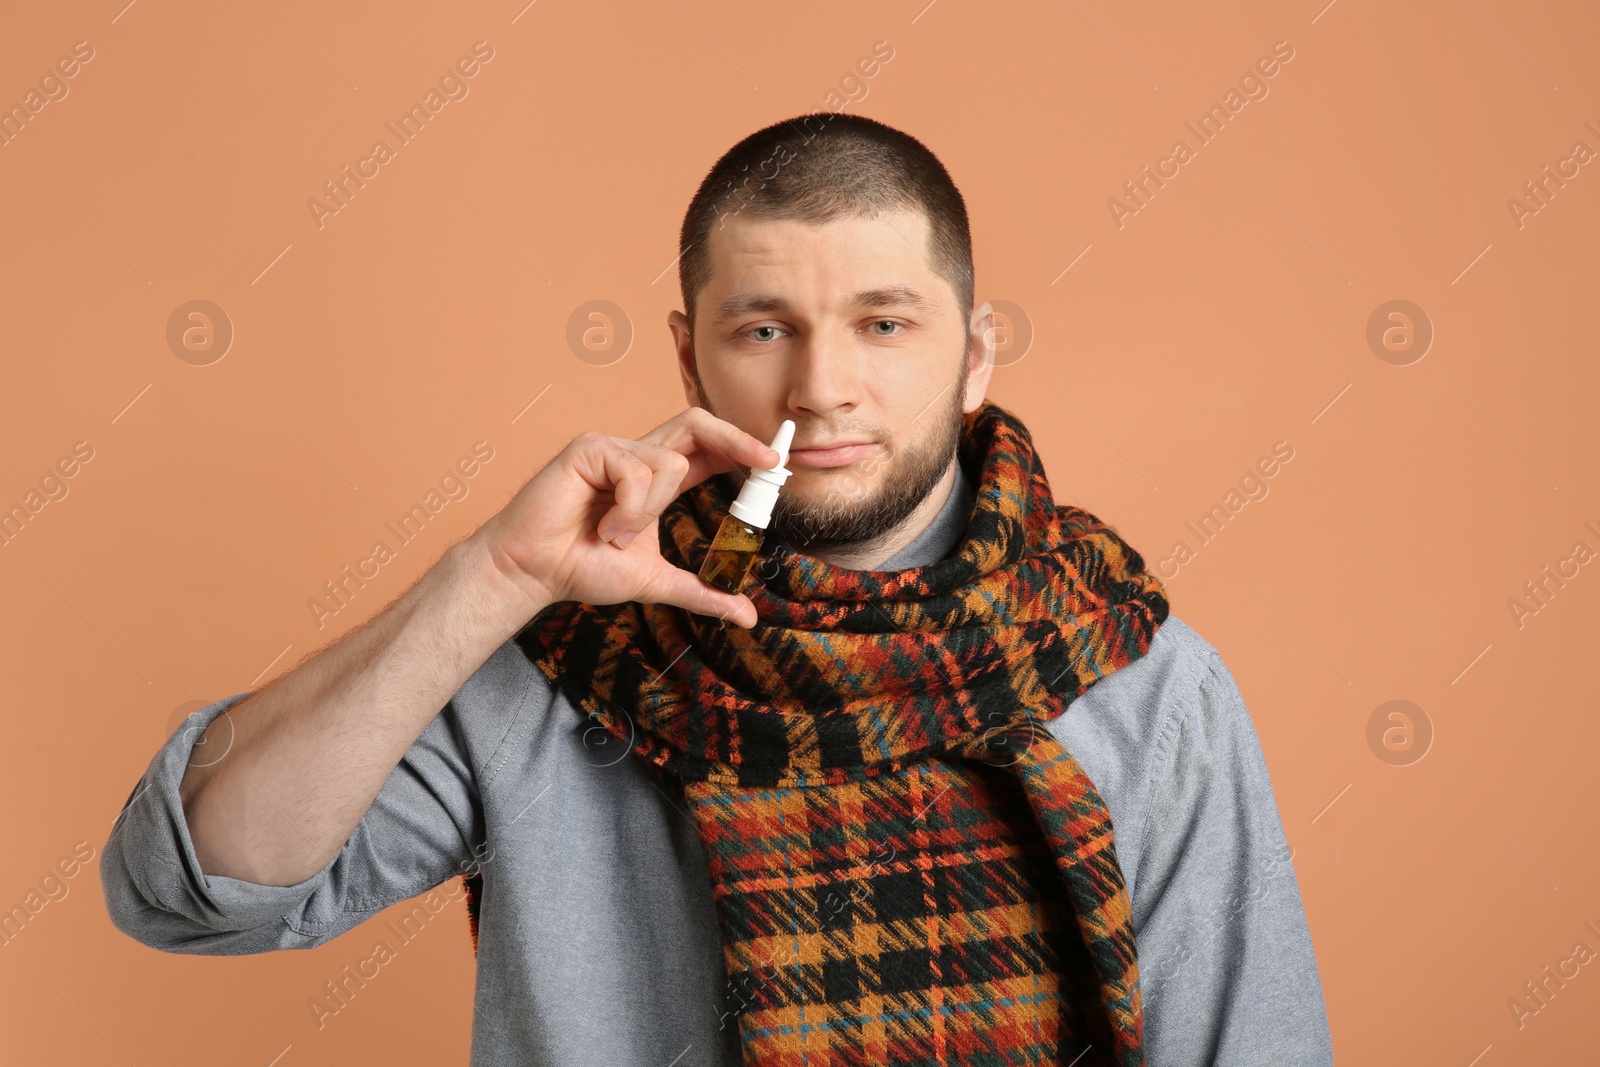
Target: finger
point(711, 444)
point(668, 469)
point(606, 465)
point(678, 587)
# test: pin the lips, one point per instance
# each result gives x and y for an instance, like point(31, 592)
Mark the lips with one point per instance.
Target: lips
point(836, 455)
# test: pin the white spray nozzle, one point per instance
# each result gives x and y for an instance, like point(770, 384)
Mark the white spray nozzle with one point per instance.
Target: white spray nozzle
point(782, 440)
point(760, 490)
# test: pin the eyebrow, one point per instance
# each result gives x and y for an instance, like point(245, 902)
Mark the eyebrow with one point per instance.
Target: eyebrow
point(890, 296)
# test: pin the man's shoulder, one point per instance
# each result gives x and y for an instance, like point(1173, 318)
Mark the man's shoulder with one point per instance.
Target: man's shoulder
point(1171, 673)
point(1124, 730)
point(1118, 723)
point(507, 678)
point(1177, 646)
point(507, 694)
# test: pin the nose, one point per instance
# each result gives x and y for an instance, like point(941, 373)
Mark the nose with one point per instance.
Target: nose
point(825, 375)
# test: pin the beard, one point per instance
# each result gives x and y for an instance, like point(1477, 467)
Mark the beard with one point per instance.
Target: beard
point(870, 498)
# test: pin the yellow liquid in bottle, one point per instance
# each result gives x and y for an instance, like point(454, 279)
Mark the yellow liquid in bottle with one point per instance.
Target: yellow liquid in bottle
point(732, 551)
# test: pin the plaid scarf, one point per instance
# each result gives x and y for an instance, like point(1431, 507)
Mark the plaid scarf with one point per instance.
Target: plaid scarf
point(908, 868)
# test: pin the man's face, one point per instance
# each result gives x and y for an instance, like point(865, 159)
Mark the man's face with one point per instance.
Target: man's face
point(845, 328)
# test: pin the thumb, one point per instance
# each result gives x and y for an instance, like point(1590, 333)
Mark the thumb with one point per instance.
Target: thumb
point(679, 588)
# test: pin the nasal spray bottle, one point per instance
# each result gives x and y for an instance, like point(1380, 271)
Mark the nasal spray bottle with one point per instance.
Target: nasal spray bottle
point(743, 529)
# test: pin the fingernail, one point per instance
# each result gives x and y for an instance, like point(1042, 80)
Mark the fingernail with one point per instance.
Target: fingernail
point(622, 539)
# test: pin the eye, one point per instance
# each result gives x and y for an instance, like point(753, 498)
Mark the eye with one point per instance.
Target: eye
point(887, 322)
point(772, 335)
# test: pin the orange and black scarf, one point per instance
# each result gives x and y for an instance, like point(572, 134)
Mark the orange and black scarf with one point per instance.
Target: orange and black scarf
point(908, 867)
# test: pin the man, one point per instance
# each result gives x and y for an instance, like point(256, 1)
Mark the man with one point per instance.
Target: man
point(946, 783)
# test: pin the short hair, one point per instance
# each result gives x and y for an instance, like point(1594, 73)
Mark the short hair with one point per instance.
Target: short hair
point(823, 166)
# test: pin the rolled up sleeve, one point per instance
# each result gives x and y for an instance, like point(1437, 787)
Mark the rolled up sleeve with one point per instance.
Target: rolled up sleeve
point(424, 826)
point(1227, 971)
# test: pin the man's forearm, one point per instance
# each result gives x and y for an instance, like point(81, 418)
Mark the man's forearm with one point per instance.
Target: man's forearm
point(280, 780)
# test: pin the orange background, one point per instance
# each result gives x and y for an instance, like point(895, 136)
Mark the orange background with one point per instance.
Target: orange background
point(1228, 314)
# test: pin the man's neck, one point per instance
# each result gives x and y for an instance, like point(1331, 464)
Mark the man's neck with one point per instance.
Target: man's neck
point(866, 557)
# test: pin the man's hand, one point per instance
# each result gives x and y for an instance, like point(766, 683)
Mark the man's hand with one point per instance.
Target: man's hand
point(585, 527)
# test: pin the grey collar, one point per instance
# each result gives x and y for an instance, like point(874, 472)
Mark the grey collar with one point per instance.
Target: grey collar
point(942, 534)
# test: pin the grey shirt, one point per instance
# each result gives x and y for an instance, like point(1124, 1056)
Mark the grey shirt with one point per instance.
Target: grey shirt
point(599, 941)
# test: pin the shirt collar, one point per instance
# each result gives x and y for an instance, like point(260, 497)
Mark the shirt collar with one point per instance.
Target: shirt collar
point(942, 533)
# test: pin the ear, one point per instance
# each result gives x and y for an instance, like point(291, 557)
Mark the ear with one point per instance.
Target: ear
point(980, 359)
point(683, 344)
